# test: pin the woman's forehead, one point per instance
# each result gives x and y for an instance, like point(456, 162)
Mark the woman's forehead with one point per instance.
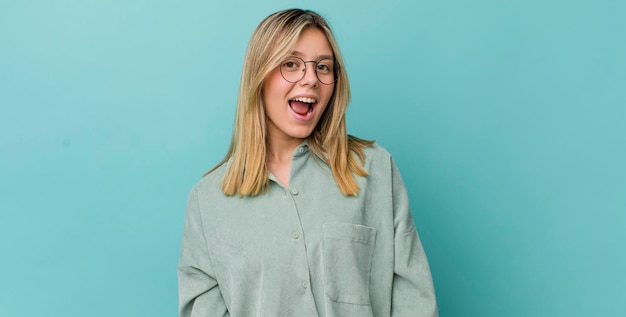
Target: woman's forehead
point(302, 55)
point(312, 43)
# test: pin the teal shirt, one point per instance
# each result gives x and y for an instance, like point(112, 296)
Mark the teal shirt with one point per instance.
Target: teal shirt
point(306, 250)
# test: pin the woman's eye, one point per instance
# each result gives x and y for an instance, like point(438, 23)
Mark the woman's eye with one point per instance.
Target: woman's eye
point(323, 68)
point(290, 64)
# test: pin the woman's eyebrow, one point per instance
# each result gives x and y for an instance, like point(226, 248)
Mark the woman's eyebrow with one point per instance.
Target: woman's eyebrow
point(300, 54)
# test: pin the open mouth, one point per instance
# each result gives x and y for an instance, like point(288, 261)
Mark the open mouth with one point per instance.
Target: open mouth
point(302, 106)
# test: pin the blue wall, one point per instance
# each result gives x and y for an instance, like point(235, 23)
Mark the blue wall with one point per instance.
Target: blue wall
point(507, 119)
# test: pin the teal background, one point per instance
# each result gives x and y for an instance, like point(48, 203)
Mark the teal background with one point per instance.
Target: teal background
point(506, 118)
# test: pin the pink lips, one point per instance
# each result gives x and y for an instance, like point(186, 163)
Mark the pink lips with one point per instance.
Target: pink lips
point(301, 111)
point(302, 107)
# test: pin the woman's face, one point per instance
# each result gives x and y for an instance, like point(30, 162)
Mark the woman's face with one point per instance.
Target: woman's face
point(294, 109)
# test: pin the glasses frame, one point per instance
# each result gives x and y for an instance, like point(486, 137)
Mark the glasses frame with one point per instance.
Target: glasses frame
point(335, 70)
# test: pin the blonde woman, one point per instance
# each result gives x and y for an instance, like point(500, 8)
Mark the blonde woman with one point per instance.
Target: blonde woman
point(300, 219)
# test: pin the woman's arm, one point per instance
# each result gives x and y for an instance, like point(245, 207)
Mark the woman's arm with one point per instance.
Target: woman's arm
point(198, 290)
point(413, 293)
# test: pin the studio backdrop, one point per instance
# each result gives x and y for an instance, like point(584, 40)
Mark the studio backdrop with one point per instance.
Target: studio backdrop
point(507, 120)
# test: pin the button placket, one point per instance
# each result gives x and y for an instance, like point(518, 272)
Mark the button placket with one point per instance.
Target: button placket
point(297, 231)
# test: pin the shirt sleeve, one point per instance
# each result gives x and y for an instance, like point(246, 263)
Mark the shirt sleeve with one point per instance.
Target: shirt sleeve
point(413, 293)
point(198, 290)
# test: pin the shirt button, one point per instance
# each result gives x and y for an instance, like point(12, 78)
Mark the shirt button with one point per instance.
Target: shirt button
point(305, 284)
point(295, 235)
point(301, 150)
point(294, 191)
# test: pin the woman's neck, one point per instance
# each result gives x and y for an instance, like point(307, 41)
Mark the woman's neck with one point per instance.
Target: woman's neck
point(278, 157)
point(281, 150)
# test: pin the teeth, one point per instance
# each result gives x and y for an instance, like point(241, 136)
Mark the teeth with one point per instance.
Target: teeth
point(304, 99)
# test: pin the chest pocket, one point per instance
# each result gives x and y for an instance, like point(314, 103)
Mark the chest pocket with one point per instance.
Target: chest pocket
point(348, 250)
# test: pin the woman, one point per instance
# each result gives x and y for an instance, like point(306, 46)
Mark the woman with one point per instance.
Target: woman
point(300, 219)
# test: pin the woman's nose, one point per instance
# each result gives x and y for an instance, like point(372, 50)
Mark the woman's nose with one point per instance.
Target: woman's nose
point(310, 77)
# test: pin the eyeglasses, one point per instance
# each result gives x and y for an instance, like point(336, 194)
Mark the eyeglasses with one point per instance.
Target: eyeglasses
point(293, 69)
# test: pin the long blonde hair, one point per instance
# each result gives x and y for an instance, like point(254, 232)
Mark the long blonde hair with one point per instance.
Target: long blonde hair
point(247, 172)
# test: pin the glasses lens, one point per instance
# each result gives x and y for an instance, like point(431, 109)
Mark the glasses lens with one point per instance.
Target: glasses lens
point(292, 69)
point(325, 70)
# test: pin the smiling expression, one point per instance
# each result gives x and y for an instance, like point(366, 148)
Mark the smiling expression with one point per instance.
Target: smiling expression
point(294, 109)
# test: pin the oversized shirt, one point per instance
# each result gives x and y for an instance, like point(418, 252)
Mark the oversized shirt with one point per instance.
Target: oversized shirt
point(306, 250)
